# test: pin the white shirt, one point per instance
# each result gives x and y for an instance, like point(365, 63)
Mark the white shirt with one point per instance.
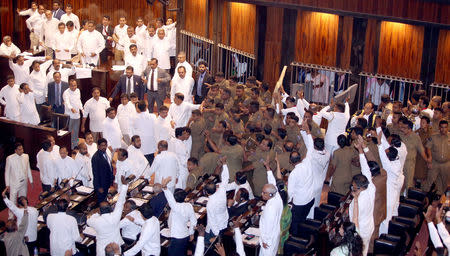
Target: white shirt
point(336, 123)
point(301, 105)
point(141, 125)
point(163, 129)
point(125, 42)
point(180, 114)
point(47, 168)
point(28, 111)
point(38, 82)
point(88, 43)
point(138, 62)
point(148, 46)
point(63, 42)
point(9, 96)
point(216, 207)
point(142, 34)
point(123, 168)
point(63, 233)
point(17, 170)
point(65, 73)
point(84, 170)
point(155, 80)
point(285, 111)
point(33, 214)
point(107, 226)
point(234, 186)
point(300, 182)
point(8, 50)
point(72, 17)
point(180, 215)
point(96, 110)
point(74, 37)
point(92, 149)
point(72, 100)
point(111, 132)
point(140, 163)
point(171, 35)
point(187, 66)
point(124, 115)
point(160, 51)
point(377, 90)
point(49, 31)
point(21, 73)
point(184, 86)
point(28, 12)
point(130, 229)
point(149, 241)
point(165, 165)
point(35, 23)
point(269, 223)
point(120, 32)
point(66, 168)
point(182, 151)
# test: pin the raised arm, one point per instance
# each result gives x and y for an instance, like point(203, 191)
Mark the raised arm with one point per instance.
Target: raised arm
point(117, 213)
point(238, 242)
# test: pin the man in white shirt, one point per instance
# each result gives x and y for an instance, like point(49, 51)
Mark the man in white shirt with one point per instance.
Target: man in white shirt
point(63, 43)
point(111, 130)
point(149, 242)
point(149, 42)
point(166, 164)
point(66, 167)
point(156, 80)
point(377, 88)
point(90, 44)
point(182, 149)
point(38, 83)
point(8, 48)
point(362, 205)
point(34, 24)
point(141, 33)
point(84, 166)
point(47, 167)
point(134, 59)
point(131, 224)
point(182, 220)
point(73, 35)
point(160, 50)
point(126, 41)
point(21, 69)
point(18, 211)
point(95, 108)
point(125, 112)
point(240, 182)
point(216, 207)
point(28, 12)
point(141, 125)
point(140, 163)
point(28, 110)
point(119, 32)
point(181, 111)
point(49, 30)
point(9, 97)
point(70, 16)
point(124, 167)
point(73, 105)
point(171, 31)
point(182, 84)
point(63, 230)
point(163, 127)
point(17, 173)
point(183, 63)
point(337, 121)
point(106, 224)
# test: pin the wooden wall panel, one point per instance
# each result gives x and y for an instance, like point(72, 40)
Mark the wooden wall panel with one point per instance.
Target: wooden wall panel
point(346, 50)
point(195, 11)
point(370, 49)
point(6, 18)
point(272, 54)
point(242, 27)
point(442, 74)
point(400, 51)
point(316, 38)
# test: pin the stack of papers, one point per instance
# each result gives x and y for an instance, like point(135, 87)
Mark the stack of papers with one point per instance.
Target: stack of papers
point(82, 73)
point(118, 67)
point(253, 241)
point(84, 190)
point(252, 231)
point(138, 201)
point(147, 189)
point(202, 200)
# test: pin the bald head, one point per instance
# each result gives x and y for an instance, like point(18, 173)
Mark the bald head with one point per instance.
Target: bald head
point(157, 188)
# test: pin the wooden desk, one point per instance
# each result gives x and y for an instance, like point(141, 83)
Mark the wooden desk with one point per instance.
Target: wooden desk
point(31, 136)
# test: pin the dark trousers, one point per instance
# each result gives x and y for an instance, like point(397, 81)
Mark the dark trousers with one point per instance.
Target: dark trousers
point(150, 158)
point(104, 55)
point(198, 99)
point(57, 122)
point(178, 246)
point(46, 188)
point(31, 246)
point(101, 196)
point(299, 214)
point(155, 96)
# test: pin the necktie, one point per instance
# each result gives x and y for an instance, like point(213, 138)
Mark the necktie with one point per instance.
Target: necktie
point(58, 97)
point(129, 86)
point(152, 87)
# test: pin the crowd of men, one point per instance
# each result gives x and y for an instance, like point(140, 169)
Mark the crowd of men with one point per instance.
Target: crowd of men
point(263, 145)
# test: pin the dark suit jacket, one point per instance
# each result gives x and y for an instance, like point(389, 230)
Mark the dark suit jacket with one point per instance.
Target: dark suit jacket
point(51, 92)
point(158, 203)
point(59, 13)
point(102, 171)
point(109, 31)
point(207, 79)
point(237, 210)
point(162, 74)
point(121, 86)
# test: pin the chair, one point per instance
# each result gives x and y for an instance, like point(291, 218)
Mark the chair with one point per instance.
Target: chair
point(416, 194)
point(334, 199)
point(382, 246)
point(407, 210)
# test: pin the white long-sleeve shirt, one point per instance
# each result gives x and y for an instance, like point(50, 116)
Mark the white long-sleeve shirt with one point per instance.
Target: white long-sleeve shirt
point(72, 17)
point(336, 123)
point(107, 225)
point(301, 181)
point(160, 51)
point(138, 62)
point(180, 114)
point(17, 170)
point(165, 165)
point(63, 233)
point(445, 236)
point(74, 37)
point(8, 50)
point(88, 43)
point(234, 186)
point(9, 97)
point(28, 12)
point(96, 110)
point(35, 23)
point(84, 170)
point(123, 168)
point(38, 82)
point(163, 129)
point(216, 208)
point(72, 100)
point(269, 223)
point(142, 34)
point(111, 132)
point(141, 124)
point(49, 31)
point(33, 214)
point(21, 72)
point(120, 33)
point(180, 215)
point(148, 46)
point(187, 66)
point(140, 163)
point(47, 168)
point(184, 86)
point(124, 114)
point(28, 111)
point(61, 43)
point(130, 229)
point(125, 42)
point(149, 242)
point(66, 168)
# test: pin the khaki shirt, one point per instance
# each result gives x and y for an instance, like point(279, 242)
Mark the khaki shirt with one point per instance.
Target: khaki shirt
point(192, 179)
point(208, 162)
point(198, 137)
point(413, 145)
point(235, 157)
point(342, 177)
point(260, 172)
point(439, 146)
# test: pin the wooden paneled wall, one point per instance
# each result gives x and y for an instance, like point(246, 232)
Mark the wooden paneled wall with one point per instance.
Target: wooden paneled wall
point(242, 27)
point(400, 50)
point(316, 38)
point(442, 73)
point(370, 46)
point(196, 11)
point(345, 44)
point(272, 54)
